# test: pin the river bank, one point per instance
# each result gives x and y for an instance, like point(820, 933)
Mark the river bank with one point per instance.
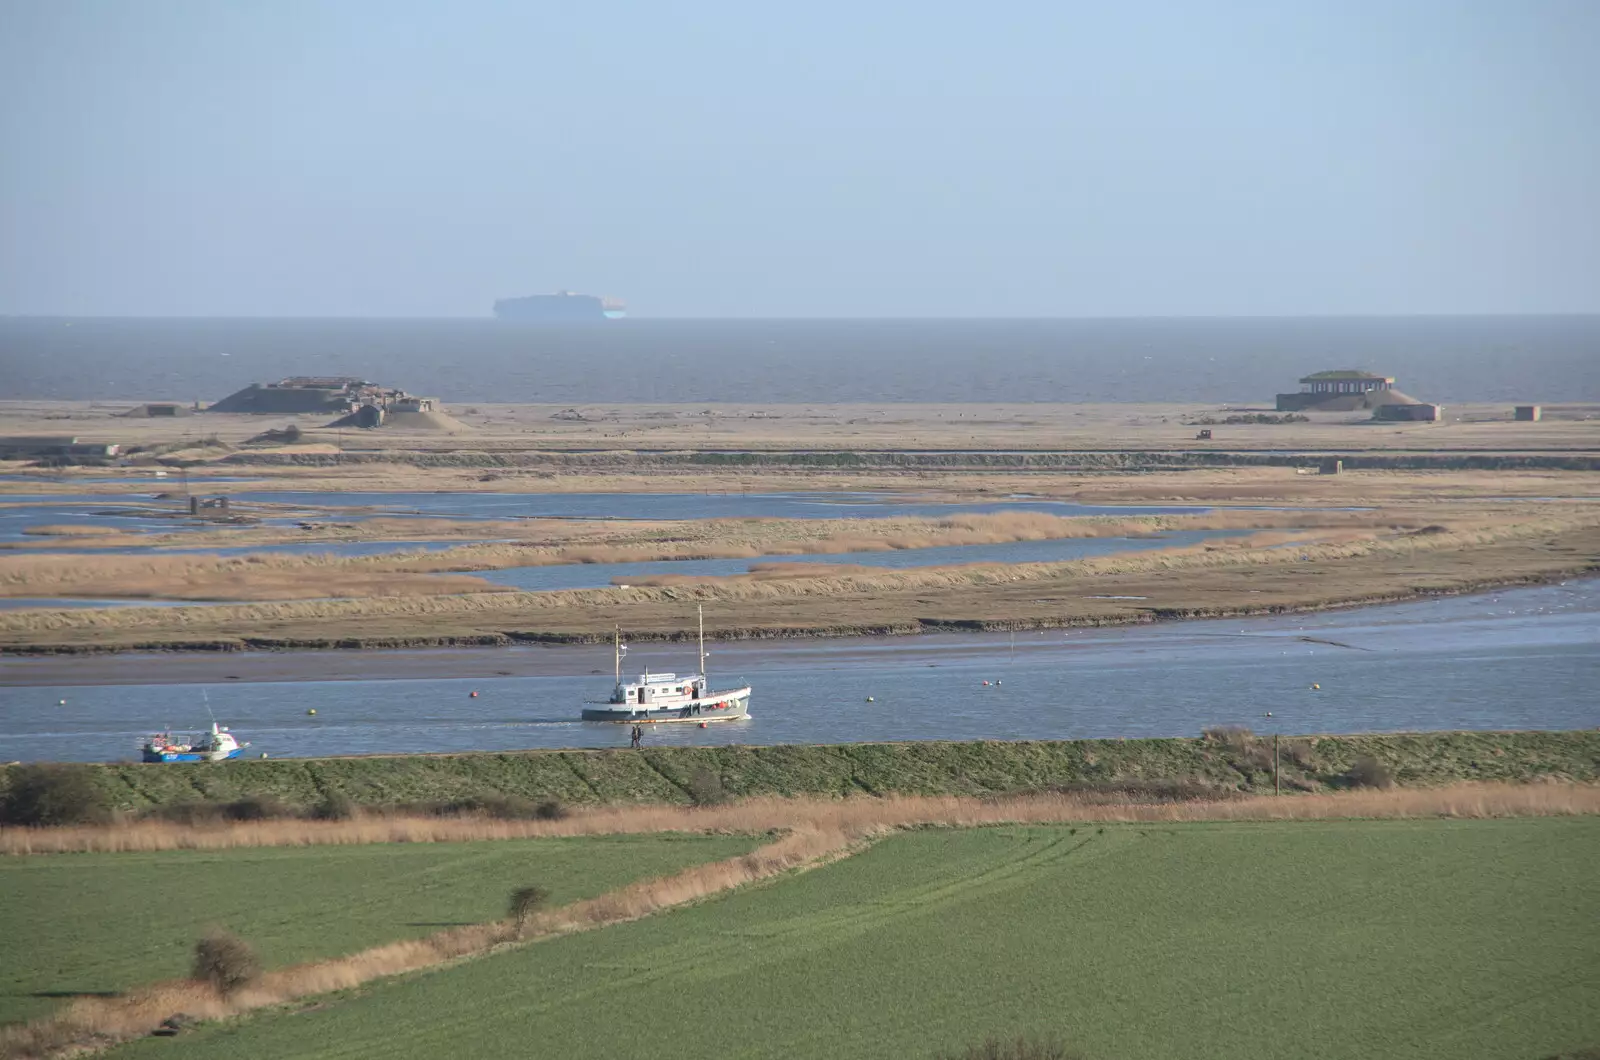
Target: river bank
point(1227, 761)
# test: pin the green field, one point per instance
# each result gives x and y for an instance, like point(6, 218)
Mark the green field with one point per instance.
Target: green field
point(1425, 938)
point(982, 767)
point(86, 923)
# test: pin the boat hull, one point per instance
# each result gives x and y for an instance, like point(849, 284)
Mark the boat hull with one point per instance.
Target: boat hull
point(192, 756)
point(721, 706)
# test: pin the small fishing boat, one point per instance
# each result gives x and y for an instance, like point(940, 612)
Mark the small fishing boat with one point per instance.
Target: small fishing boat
point(218, 745)
point(656, 697)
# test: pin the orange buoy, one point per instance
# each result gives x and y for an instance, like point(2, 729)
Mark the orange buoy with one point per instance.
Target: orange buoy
point(702, 724)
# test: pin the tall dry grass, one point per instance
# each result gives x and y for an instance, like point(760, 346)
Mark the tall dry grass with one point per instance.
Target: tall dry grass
point(277, 576)
point(1332, 546)
point(764, 814)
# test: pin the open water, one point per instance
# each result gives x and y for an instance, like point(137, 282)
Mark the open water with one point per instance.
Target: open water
point(1240, 360)
point(1516, 659)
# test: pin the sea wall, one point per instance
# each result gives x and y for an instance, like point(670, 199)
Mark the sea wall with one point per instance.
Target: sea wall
point(1222, 762)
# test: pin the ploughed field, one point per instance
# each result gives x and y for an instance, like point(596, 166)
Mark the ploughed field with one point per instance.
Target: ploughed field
point(1337, 938)
point(98, 923)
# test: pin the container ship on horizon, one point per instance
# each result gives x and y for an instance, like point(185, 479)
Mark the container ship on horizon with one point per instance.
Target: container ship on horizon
point(563, 305)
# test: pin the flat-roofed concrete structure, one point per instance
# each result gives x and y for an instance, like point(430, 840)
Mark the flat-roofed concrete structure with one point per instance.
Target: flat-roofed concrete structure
point(1415, 411)
point(1341, 389)
point(305, 393)
point(22, 447)
point(1528, 413)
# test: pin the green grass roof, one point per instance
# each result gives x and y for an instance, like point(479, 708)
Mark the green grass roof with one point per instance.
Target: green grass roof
point(1346, 373)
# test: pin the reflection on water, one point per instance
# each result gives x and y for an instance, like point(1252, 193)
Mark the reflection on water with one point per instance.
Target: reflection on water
point(1519, 659)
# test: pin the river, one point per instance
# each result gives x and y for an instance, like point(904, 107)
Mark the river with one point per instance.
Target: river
point(1514, 659)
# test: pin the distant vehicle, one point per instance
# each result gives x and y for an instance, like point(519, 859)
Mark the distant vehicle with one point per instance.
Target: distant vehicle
point(218, 745)
point(669, 697)
point(563, 305)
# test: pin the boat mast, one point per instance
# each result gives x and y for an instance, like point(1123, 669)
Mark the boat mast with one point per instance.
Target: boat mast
point(702, 609)
point(616, 646)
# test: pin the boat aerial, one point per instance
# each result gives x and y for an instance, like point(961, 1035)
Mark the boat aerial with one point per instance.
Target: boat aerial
point(218, 745)
point(656, 697)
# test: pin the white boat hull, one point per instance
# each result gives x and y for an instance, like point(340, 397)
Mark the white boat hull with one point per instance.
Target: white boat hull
point(714, 706)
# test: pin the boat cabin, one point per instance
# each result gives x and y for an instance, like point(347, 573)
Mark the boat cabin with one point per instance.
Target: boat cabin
point(657, 688)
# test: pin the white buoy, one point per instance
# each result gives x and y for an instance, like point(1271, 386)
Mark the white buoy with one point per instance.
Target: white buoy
point(63, 703)
point(312, 710)
point(1316, 688)
point(869, 699)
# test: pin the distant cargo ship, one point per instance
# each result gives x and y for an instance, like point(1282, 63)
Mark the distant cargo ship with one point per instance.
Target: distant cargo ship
point(563, 305)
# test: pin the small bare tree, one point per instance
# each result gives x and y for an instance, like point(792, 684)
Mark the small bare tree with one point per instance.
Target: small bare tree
point(225, 961)
point(526, 901)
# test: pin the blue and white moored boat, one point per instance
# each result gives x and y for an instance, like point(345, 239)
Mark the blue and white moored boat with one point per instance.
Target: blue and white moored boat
point(218, 745)
point(669, 697)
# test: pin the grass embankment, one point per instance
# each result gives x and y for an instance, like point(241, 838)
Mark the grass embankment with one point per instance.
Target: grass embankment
point(666, 775)
point(1216, 579)
point(1416, 939)
point(103, 923)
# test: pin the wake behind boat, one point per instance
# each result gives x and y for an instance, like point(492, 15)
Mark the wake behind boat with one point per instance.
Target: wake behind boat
point(669, 697)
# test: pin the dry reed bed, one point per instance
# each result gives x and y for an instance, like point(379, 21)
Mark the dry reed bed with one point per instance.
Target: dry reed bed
point(1210, 555)
point(818, 831)
point(765, 814)
point(267, 576)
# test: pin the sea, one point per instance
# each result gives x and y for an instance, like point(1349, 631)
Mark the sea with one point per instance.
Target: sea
point(1241, 361)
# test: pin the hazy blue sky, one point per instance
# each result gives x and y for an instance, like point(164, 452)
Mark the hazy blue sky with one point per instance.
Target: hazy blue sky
point(343, 157)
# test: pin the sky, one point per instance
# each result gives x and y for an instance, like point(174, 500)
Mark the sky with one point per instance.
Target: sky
point(1034, 158)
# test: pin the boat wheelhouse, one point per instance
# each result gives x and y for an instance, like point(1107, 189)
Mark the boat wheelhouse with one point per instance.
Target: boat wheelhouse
point(655, 697)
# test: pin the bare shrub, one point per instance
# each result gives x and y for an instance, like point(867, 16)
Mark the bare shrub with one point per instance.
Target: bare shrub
point(1301, 753)
point(526, 901)
point(1233, 737)
point(506, 807)
point(551, 810)
point(1018, 1048)
point(187, 813)
point(257, 808)
point(225, 961)
point(45, 794)
point(705, 788)
point(1368, 772)
point(335, 806)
